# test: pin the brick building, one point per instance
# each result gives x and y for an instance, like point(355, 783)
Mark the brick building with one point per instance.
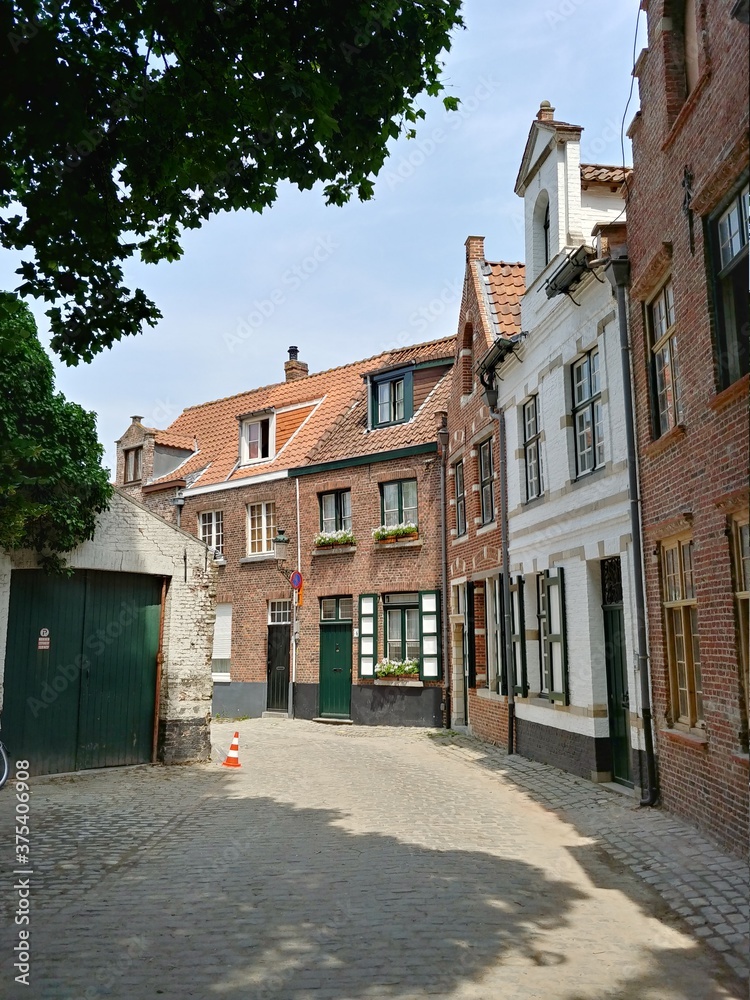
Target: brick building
point(328, 459)
point(688, 246)
point(557, 366)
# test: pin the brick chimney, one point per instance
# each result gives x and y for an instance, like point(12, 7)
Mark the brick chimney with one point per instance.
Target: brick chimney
point(546, 112)
point(294, 368)
point(474, 248)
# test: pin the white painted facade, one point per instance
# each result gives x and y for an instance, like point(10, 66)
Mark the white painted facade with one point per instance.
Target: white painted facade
point(579, 519)
point(131, 539)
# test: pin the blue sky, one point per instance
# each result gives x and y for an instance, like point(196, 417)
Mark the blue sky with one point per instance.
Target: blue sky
point(345, 283)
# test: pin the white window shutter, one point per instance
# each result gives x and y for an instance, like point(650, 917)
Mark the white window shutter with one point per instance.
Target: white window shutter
point(223, 633)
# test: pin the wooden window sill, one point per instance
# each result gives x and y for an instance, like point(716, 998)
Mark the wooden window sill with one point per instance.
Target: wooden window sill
point(259, 557)
point(661, 444)
point(737, 390)
point(692, 740)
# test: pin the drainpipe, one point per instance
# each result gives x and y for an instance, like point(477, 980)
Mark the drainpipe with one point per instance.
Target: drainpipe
point(499, 416)
point(618, 271)
point(443, 438)
point(295, 594)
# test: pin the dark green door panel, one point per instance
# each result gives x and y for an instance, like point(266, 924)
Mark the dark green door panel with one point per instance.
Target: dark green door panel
point(617, 693)
point(42, 687)
point(335, 670)
point(118, 679)
point(87, 701)
point(279, 637)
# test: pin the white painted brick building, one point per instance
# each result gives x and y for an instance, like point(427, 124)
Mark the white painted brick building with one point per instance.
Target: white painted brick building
point(561, 391)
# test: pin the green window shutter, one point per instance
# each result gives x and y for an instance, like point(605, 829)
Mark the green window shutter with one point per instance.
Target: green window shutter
point(429, 635)
point(408, 396)
point(368, 634)
point(518, 636)
point(556, 658)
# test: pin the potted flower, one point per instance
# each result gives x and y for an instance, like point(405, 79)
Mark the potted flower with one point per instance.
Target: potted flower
point(330, 539)
point(395, 532)
point(397, 668)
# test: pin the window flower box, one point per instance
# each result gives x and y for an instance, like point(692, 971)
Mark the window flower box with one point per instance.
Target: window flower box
point(397, 669)
point(332, 539)
point(396, 532)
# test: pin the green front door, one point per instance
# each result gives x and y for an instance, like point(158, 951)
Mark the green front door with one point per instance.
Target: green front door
point(618, 702)
point(80, 669)
point(335, 669)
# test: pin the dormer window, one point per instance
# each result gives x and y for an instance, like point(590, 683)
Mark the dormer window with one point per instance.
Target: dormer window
point(133, 465)
point(392, 401)
point(257, 440)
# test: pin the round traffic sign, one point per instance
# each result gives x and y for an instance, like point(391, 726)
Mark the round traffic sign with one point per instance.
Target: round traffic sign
point(296, 579)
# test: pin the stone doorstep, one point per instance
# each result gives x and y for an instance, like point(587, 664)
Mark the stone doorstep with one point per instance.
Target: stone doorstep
point(333, 722)
point(275, 715)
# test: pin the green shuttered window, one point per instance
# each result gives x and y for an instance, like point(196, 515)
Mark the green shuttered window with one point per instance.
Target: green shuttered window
point(429, 635)
point(368, 634)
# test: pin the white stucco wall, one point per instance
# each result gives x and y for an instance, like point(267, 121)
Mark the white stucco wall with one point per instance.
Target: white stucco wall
point(578, 522)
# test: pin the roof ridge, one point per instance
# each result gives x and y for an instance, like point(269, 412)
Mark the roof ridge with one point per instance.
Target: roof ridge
point(506, 263)
point(324, 371)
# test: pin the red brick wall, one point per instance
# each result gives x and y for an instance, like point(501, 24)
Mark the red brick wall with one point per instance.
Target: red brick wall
point(478, 552)
point(695, 478)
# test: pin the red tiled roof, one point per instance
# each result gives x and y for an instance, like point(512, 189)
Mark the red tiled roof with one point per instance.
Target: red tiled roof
point(506, 283)
point(324, 396)
point(185, 442)
point(349, 437)
point(596, 173)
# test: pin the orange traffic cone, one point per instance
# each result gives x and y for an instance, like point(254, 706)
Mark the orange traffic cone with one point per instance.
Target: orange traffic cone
point(233, 757)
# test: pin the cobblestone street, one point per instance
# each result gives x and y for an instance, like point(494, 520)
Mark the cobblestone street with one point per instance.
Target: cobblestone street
point(342, 863)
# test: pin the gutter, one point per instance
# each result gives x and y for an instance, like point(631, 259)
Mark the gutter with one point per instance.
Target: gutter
point(617, 270)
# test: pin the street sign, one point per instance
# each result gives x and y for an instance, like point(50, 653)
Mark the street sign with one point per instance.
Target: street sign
point(296, 580)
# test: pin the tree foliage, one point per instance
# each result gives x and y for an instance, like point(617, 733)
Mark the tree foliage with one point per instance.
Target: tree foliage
point(124, 123)
point(52, 484)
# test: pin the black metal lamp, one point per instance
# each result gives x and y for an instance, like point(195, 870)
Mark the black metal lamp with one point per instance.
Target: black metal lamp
point(281, 547)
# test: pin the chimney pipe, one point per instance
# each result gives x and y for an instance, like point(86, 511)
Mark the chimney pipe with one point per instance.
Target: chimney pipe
point(293, 353)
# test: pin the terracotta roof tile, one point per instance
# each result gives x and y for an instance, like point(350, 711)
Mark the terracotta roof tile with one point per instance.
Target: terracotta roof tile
point(349, 437)
point(185, 442)
point(596, 173)
point(325, 397)
point(506, 283)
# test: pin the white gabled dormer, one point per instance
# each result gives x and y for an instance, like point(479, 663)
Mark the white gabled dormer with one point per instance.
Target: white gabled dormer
point(257, 437)
point(549, 181)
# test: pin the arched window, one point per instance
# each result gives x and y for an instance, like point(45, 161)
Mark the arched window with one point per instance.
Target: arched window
point(467, 360)
point(542, 246)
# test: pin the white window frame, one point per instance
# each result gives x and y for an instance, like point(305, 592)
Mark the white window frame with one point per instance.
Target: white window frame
point(211, 529)
point(665, 369)
point(588, 407)
point(532, 448)
point(268, 526)
point(246, 426)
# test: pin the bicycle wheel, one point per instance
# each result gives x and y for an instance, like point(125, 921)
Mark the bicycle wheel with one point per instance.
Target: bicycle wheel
point(4, 765)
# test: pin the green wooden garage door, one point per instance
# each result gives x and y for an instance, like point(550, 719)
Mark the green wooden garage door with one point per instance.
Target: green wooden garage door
point(80, 669)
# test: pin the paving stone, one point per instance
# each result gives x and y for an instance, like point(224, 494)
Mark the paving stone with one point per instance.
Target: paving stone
point(361, 864)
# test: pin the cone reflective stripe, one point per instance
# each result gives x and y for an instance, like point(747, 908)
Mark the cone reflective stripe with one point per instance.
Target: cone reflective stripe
point(233, 757)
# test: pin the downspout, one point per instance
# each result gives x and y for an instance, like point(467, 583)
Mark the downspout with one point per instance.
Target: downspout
point(444, 577)
point(295, 597)
point(618, 272)
point(499, 416)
